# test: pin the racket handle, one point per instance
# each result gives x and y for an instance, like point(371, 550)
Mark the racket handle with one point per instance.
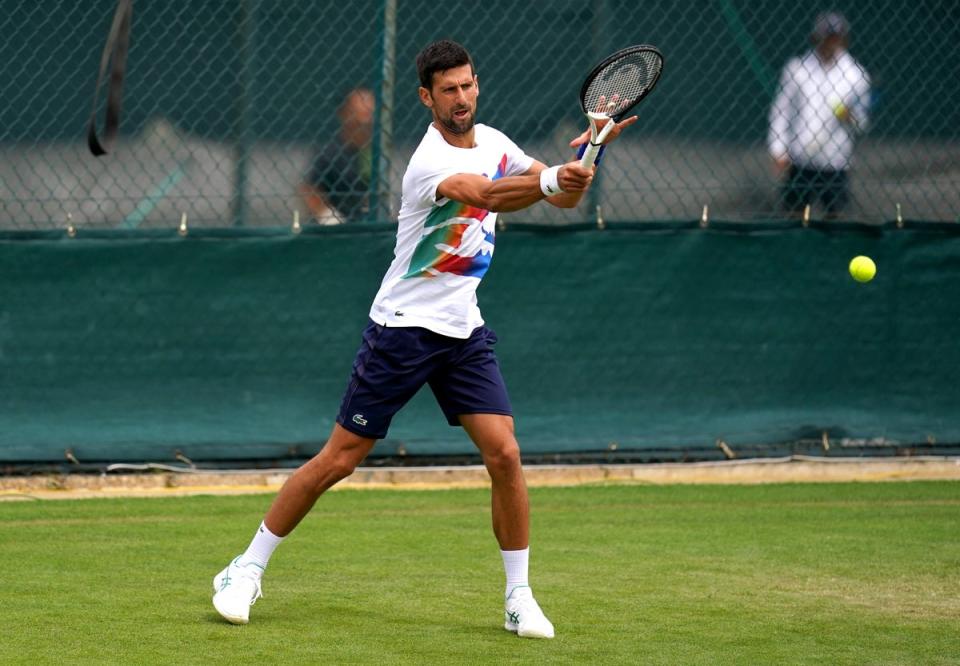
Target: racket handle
point(589, 155)
point(583, 149)
point(593, 148)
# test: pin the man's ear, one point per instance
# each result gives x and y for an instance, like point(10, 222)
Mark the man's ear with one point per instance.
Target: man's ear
point(476, 83)
point(425, 97)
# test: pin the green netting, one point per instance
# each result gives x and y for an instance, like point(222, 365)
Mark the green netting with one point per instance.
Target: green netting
point(237, 345)
point(228, 104)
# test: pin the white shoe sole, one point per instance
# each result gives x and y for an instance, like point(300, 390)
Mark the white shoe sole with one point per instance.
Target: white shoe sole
point(232, 619)
point(513, 628)
point(533, 634)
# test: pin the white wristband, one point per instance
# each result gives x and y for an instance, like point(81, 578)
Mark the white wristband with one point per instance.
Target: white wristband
point(549, 181)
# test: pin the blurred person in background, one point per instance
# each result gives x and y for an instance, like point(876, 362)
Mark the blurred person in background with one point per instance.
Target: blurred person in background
point(821, 107)
point(336, 188)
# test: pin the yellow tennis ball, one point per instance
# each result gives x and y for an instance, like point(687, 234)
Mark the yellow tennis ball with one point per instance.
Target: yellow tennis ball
point(862, 269)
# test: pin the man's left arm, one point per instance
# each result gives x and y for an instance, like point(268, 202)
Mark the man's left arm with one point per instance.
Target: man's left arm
point(860, 111)
point(571, 199)
point(854, 112)
point(563, 200)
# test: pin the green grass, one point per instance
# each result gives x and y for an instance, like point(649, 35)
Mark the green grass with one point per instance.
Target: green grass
point(805, 574)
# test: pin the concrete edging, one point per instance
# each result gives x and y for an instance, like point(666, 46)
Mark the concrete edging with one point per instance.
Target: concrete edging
point(168, 481)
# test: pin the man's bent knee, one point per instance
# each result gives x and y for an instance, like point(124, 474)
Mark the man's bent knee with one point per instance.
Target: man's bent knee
point(339, 466)
point(338, 459)
point(502, 459)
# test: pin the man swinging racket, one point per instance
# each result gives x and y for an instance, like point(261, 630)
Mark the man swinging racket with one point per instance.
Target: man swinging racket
point(425, 328)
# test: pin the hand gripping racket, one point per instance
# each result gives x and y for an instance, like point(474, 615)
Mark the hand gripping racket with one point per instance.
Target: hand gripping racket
point(614, 87)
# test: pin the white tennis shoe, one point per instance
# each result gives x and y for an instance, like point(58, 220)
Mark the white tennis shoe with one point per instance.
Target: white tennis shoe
point(235, 589)
point(523, 615)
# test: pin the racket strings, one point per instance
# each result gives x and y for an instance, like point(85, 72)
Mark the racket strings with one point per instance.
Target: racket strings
point(622, 82)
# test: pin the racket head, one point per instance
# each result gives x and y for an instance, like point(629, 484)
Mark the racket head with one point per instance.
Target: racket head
point(618, 83)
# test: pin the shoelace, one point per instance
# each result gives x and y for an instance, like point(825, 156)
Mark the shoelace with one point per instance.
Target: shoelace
point(258, 594)
point(225, 583)
point(528, 607)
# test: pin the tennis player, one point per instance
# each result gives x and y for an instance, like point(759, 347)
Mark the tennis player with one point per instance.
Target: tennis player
point(425, 328)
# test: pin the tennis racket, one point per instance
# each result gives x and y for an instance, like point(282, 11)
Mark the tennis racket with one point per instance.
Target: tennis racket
point(614, 87)
point(114, 58)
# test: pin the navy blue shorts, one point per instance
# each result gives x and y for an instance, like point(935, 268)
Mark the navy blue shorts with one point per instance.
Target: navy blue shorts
point(392, 364)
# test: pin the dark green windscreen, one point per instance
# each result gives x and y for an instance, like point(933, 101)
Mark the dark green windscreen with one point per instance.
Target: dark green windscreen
point(239, 346)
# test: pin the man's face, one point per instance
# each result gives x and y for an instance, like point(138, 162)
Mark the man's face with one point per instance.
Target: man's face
point(453, 98)
point(356, 118)
point(831, 46)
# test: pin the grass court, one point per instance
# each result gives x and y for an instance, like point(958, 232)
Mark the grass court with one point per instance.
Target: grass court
point(793, 573)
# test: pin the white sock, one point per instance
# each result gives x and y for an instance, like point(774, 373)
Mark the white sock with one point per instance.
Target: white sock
point(260, 549)
point(516, 564)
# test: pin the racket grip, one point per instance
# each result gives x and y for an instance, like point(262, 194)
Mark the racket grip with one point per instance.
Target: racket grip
point(592, 151)
point(583, 149)
point(589, 155)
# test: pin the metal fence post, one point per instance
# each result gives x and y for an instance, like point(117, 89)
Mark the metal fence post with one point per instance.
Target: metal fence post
point(246, 28)
point(383, 117)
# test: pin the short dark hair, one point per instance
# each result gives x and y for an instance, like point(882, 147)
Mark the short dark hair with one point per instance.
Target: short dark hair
point(439, 57)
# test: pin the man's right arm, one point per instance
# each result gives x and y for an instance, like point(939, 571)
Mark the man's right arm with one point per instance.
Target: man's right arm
point(779, 120)
point(511, 192)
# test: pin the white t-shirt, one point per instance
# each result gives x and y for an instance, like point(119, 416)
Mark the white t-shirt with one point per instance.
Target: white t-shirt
point(803, 121)
point(444, 247)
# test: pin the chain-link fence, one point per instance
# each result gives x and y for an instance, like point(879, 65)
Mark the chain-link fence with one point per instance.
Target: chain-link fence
point(234, 110)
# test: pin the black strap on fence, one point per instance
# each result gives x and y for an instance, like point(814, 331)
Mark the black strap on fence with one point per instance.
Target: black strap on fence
point(115, 58)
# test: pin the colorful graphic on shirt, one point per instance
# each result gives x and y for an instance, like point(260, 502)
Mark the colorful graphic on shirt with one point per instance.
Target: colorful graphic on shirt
point(457, 243)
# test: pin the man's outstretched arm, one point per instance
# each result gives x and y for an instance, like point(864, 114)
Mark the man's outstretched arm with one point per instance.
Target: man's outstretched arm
point(517, 192)
point(514, 192)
